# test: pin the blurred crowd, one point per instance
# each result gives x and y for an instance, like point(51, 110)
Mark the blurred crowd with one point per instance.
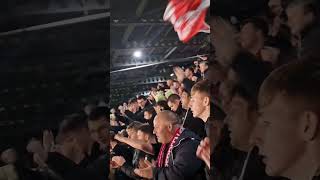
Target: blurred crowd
point(77, 150)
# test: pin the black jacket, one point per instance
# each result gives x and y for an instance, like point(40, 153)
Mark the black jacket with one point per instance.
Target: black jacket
point(130, 116)
point(183, 163)
point(196, 125)
point(69, 170)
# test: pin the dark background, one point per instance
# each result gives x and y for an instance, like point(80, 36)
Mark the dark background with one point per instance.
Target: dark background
point(47, 73)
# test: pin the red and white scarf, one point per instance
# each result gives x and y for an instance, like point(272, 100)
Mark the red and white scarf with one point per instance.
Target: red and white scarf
point(160, 159)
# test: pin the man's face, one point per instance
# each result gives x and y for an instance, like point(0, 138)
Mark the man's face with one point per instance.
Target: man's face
point(198, 105)
point(297, 20)
point(9, 156)
point(132, 134)
point(147, 115)
point(188, 73)
point(133, 107)
point(161, 130)
point(275, 7)
point(142, 136)
point(248, 36)
point(240, 123)
point(278, 138)
point(169, 83)
point(174, 105)
point(99, 130)
point(141, 103)
point(185, 100)
point(176, 85)
point(157, 109)
point(203, 67)
point(82, 138)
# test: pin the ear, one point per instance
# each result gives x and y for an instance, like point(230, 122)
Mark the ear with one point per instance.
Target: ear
point(310, 124)
point(206, 101)
point(170, 127)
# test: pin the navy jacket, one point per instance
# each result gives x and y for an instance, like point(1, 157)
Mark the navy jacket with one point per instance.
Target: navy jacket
point(183, 163)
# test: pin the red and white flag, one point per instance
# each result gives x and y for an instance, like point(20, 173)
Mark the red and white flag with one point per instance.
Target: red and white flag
point(187, 17)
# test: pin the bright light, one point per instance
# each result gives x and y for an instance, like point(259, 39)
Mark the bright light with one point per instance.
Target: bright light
point(171, 75)
point(137, 54)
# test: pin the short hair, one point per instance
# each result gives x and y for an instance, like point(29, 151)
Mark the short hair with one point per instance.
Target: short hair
point(173, 97)
point(162, 104)
point(134, 125)
point(146, 128)
point(204, 62)
point(170, 117)
point(202, 87)
point(72, 123)
point(258, 23)
point(132, 100)
point(298, 82)
point(150, 110)
point(98, 113)
point(141, 97)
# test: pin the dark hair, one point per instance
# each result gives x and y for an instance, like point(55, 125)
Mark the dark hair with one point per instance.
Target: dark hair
point(259, 24)
point(250, 71)
point(73, 122)
point(98, 113)
point(134, 125)
point(173, 97)
point(162, 104)
point(203, 62)
point(190, 69)
point(132, 100)
point(141, 97)
point(299, 81)
point(150, 110)
point(146, 128)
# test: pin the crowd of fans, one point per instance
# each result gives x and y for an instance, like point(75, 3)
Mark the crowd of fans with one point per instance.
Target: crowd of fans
point(77, 150)
point(248, 111)
point(163, 128)
point(253, 113)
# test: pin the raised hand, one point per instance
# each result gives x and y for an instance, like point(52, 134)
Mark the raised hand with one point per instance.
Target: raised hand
point(48, 140)
point(203, 151)
point(179, 72)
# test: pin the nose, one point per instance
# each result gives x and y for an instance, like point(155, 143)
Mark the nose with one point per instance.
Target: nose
point(256, 136)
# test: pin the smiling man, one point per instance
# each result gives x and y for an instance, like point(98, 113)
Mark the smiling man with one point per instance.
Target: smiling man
point(288, 134)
